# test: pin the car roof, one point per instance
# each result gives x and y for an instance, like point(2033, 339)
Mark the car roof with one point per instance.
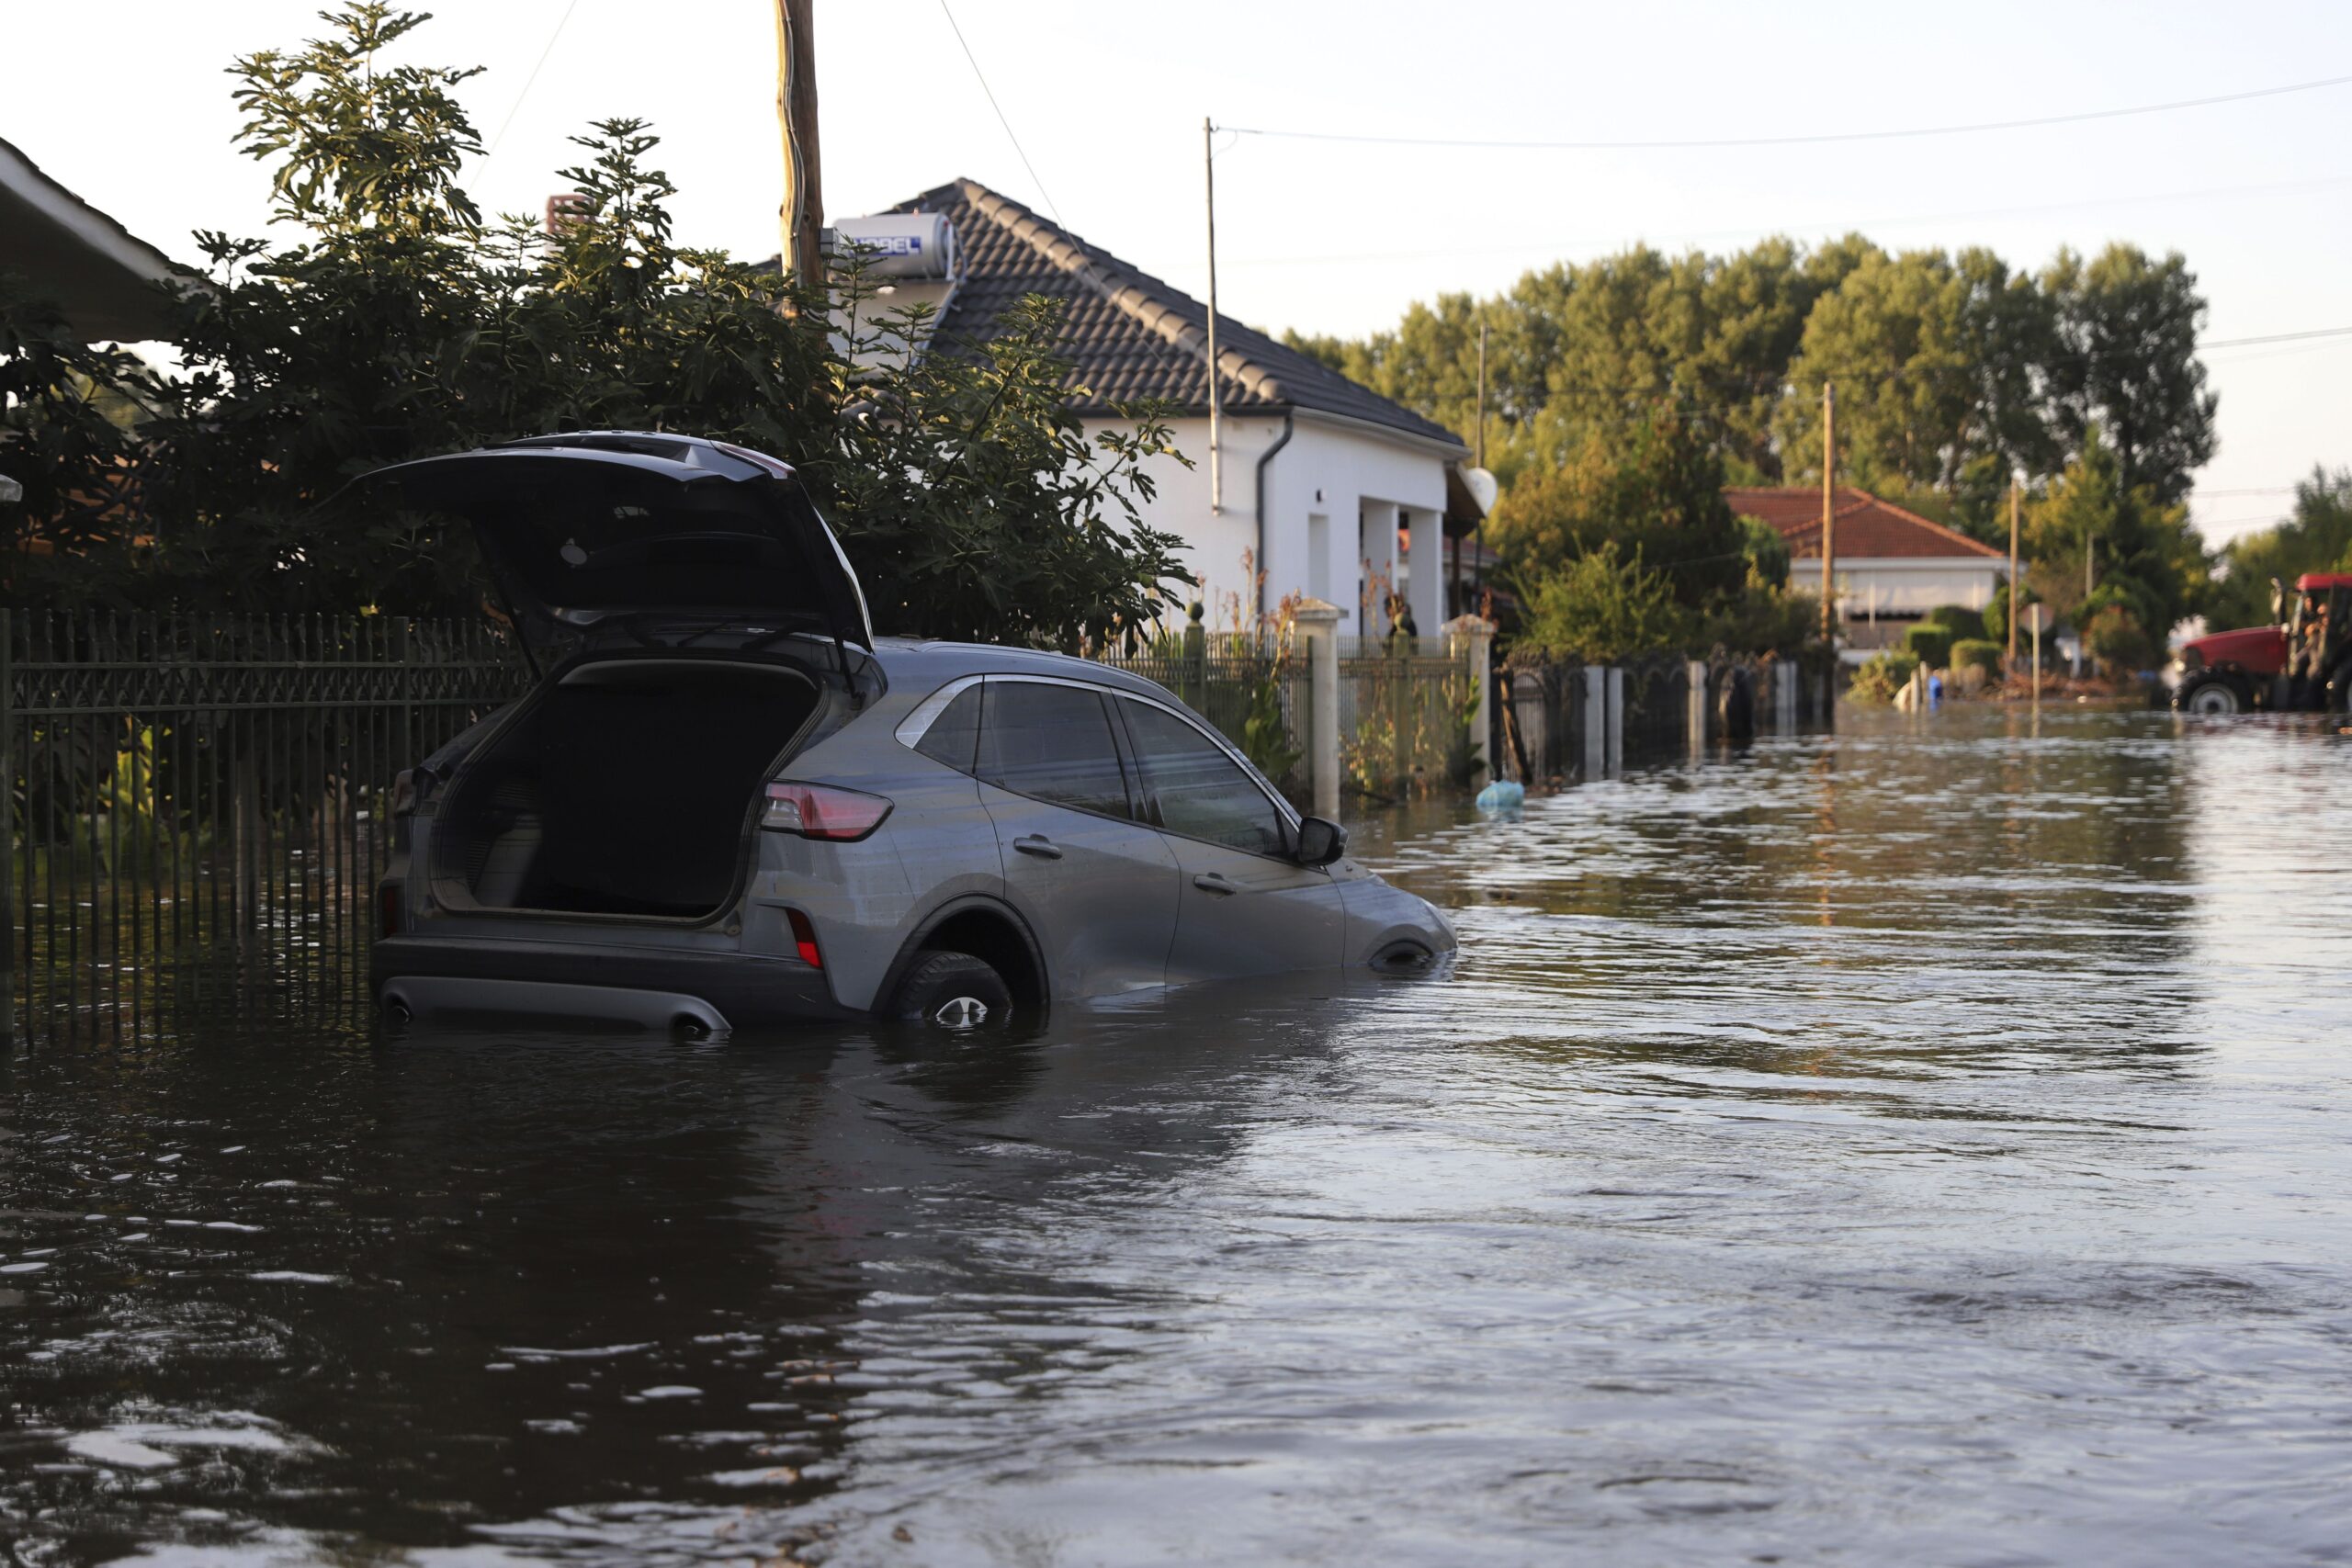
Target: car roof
point(928, 664)
point(2311, 580)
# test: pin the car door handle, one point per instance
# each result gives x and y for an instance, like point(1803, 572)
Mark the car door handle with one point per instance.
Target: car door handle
point(1210, 882)
point(1039, 845)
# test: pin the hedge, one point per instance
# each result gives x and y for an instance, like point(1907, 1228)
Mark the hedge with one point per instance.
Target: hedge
point(1931, 643)
point(1966, 625)
point(1977, 652)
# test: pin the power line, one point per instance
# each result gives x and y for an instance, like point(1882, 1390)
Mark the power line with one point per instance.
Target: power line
point(516, 107)
point(1814, 139)
point(2274, 337)
point(982, 77)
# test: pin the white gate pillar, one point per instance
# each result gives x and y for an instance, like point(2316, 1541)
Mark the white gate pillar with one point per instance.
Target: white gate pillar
point(1473, 638)
point(1318, 627)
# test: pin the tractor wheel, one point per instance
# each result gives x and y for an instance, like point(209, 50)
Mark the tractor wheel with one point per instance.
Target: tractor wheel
point(2211, 694)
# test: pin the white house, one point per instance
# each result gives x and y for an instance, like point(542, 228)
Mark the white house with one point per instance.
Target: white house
point(1893, 566)
point(1335, 492)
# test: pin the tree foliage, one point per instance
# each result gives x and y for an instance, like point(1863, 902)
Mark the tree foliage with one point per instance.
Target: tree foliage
point(2317, 536)
point(1656, 489)
point(2143, 559)
point(1953, 370)
point(397, 322)
point(1602, 604)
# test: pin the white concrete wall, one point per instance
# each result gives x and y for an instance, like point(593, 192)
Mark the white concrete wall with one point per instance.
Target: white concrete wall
point(1337, 472)
point(1903, 586)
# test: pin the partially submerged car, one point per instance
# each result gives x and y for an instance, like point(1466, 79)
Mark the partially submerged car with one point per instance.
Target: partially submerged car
point(728, 803)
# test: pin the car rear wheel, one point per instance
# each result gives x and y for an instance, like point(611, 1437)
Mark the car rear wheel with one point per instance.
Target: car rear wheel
point(953, 993)
point(2211, 694)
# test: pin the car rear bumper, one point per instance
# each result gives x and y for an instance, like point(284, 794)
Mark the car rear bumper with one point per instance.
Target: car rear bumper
point(559, 982)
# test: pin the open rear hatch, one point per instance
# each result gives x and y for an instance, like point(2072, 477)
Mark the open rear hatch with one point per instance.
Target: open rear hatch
point(704, 600)
point(610, 537)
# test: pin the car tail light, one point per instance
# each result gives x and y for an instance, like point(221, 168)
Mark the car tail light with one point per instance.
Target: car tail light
point(387, 908)
point(804, 939)
point(821, 811)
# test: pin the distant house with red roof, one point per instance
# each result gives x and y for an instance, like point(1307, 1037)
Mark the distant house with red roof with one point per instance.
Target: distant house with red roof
point(1893, 566)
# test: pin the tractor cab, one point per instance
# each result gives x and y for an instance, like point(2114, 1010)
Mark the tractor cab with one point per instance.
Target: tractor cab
point(2302, 662)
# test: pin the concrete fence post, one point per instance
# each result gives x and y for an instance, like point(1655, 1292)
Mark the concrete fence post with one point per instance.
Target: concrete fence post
point(1472, 639)
point(1616, 759)
point(1596, 722)
point(1318, 627)
point(1696, 706)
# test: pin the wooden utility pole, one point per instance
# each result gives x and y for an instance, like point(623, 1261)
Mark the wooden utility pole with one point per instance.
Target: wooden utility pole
point(2011, 662)
point(1477, 459)
point(803, 212)
point(1480, 445)
point(1216, 422)
point(1829, 516)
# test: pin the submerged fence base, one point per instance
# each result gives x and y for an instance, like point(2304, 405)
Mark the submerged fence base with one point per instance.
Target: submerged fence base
point(201, 801)
point(1560, 723)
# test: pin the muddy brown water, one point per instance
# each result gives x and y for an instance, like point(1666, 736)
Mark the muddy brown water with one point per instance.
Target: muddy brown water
point(1931, 1143)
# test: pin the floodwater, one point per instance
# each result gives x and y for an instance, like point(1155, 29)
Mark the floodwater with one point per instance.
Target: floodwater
point(1930, 1144)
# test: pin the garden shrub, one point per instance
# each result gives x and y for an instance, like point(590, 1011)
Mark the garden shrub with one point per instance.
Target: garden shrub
point(1882, 675)
point(1929, 643)
point(1976, 653)
point(1964, 624)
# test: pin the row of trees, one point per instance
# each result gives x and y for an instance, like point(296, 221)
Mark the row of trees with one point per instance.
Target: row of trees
point(399, 321)
point(1622, 394)
point(1952, 370)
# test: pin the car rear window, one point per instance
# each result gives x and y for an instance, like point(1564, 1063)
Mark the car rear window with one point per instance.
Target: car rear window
point(1052, 743)
point(954, 737)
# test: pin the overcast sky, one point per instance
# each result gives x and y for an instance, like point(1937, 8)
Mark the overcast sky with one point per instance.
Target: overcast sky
point(126, 103)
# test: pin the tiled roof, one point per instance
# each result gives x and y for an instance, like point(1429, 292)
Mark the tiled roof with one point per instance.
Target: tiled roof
point(98, 273)
point(1867, 526)
point(1131, 336)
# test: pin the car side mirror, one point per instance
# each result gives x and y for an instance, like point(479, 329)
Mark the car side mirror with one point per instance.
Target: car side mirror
point(2278, 601)
point(1320, 842)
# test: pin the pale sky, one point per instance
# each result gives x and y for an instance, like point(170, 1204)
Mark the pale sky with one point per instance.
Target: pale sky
point(126, 103)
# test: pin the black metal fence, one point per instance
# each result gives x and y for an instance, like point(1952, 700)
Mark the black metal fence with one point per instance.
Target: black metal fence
point(1552, 720)
point(1405, 706)
point(197, 802)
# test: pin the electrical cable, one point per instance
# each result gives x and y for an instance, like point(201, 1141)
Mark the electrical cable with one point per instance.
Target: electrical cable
point(982, 77)
point(1816, 139)
point(492, 151)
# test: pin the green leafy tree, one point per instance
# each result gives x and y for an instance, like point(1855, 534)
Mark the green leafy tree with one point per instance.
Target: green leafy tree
point(1600, 605)
point(2317, 536)
point(2125, 360)
point(1934, 359)
point(1656, 489)
point(396, 324)
point(2142, 553)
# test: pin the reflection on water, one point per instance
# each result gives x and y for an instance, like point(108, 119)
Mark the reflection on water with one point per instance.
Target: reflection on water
point(1925, 1144)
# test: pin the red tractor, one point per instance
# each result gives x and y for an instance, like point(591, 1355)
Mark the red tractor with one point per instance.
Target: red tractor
point(2301, 663)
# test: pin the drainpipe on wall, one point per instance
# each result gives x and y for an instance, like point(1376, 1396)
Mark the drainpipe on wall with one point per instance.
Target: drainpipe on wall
point(1263, 458)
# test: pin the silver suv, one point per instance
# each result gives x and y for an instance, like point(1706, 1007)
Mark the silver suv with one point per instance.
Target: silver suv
point(728, 803)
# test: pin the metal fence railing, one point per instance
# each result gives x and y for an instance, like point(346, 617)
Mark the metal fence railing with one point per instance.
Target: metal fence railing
point(1405, 706)
point(1561, 722)
point(195, 801)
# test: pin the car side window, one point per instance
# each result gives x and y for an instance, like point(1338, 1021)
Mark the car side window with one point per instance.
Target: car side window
point(1193, 788)
point(954, 737)
point(1052, 743)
